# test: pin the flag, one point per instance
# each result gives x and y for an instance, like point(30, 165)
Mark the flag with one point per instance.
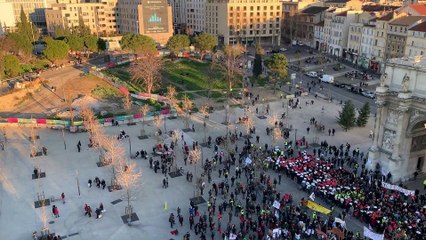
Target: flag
point(312, 196)
point(370, 234)
point(340, 221)
point(316, 207)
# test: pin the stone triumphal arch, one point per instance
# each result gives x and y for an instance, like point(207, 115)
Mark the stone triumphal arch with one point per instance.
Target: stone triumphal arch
point(399, 142)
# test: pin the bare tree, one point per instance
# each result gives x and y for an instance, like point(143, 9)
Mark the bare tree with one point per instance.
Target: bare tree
point(69, 95)
point(147, 72)
point(127, 101)
point(171, 95)
point(232, 63)
point(248, 125)
point(144, 110)
point(128, 177)
point(273, 121)
point(157, 122)
point(175, 137)
point(204, 110)
point(114, 153)
point(187, 107)
point(194, 158)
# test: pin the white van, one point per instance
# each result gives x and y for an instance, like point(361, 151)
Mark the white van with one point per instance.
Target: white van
point(327, 78)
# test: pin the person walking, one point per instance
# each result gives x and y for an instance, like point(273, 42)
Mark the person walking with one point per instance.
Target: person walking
point(89, 183)
point(55, 211)
point(79, 146)
point(63, 198)
point(172, 220)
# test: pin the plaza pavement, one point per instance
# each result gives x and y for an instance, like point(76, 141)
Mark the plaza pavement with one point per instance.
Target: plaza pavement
point(19, 218)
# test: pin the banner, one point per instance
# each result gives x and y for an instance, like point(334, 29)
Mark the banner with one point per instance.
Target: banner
point(317, 207)
point(340, 221)
point(370, 234)
point(406, 192)
point(276, 204)
point(312, 196)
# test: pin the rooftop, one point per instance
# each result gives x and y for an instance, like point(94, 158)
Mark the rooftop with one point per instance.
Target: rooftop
point(314, 10)
point(376, 8)
point(342, 14)
point(421, 27)
point(386, 17)
point(419, 8)
point(406, 20)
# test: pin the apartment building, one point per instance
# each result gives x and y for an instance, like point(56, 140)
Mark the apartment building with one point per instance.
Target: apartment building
point(360, 38)
point(380, 38)
point(325, 41)
point(339, 31)
point(319, 37)
point(99, 16)
point(195, 16)
point(416, 40)
point(244, 21)
point(7, 18)
point(397, 35)
point(290, 16)
point(148, 17)
point(33, 9)
point(308, 18)
point(179, 15)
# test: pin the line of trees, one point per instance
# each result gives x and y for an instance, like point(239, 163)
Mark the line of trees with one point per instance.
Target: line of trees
point(16, 48)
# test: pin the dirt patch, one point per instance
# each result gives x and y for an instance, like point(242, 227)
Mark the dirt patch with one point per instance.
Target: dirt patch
point(43, 102)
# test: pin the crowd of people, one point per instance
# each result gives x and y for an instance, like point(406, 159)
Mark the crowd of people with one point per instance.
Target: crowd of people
point(335, 174)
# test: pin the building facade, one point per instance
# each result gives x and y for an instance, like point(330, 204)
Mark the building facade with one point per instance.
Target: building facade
point(244, 21)
point(7, 18)
point(148, 17)
point(339, 30)
point(195, 16)
point(99, 17)
point(179, 15)
point(416, 40)
point(309, 18)
point(380, 38)
point(399, 142)
point(397, 35)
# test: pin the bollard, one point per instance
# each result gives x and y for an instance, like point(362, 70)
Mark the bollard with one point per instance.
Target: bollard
point(165, 205)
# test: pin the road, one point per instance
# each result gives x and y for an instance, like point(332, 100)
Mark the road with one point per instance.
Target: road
point(338, 94)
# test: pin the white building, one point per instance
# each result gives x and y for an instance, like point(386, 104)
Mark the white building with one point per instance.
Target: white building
point(367, 40)
point(416, 40)
point(179, 15)
point(319, 36)
point(195, 16)
point(339, 30)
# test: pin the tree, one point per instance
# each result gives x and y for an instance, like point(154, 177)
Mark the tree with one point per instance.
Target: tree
point(232, 55)
point(346, 118)
point(114, 153)
point(187, 105)
point(147, 72)
point(11, 66)
point(205, 43)
point(138, 44)
point(55, 49)
point(102, 44)
point(27, 28)
point(74, 42)
point(1, 67)
point(257, 64)
point(278, 67)
point(91, 43)
point(128, 178)
point(363, 115)
point(178, 43)
point(22, 45)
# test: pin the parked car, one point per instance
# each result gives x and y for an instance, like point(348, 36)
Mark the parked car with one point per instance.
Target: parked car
point(327, 78)
point(283, 49)
point(311, 74)
point(369, 94)
point(338, 67)
point(294, 67)
point(340, 85)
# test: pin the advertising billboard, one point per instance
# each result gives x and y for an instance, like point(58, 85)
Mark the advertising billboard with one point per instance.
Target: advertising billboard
point(155, 16)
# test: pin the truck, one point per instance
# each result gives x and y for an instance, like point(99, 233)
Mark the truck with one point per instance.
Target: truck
point(327, 78)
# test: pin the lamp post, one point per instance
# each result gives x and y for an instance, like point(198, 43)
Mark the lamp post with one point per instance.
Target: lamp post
point(130, 147)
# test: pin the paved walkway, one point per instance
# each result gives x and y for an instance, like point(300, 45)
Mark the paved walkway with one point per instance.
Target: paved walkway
point(66, 168)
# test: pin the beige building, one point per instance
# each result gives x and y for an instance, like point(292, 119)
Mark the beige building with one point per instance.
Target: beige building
point(7, 18)
point(148, 17)
point(397, 35)
point(99, 17)
point(244, 21)
point(380, 38)
point(308, 19)
point(416, 40)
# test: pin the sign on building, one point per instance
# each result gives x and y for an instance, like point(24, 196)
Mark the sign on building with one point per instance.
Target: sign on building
point(155, 16)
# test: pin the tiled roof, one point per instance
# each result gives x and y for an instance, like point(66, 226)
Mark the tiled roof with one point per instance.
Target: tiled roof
point(314, 10)
point(406, 20)
point(420, 8)
point(386, 17)
point(376, 8)
point(421, 27)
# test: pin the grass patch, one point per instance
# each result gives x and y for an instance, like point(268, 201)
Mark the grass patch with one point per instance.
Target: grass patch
point(105, 92)
point(194, 75)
